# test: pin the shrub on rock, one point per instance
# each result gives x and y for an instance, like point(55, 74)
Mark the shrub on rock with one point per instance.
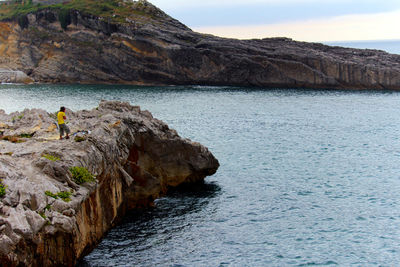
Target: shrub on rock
point(2, 189)
point(81, 175)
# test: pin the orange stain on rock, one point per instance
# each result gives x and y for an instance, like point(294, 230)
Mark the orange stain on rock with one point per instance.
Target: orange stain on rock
point(5, 31)
point(139, 51)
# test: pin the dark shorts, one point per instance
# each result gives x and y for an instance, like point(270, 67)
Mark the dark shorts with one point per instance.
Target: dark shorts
point(63, 128)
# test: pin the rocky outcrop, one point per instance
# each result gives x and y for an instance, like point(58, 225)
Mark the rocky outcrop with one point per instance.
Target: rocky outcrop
point(152, 48)
point(46, 217)
point(10, 76)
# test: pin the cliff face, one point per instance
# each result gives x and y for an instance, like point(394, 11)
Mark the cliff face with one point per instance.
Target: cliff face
point(153, 48)
point(135, 159)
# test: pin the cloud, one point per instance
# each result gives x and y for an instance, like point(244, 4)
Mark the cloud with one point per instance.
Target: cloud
point(182, 4)
point(341, 28)
point(204, 13)
point(174, 4)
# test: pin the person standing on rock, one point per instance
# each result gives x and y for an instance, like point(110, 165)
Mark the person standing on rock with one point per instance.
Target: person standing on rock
point(61, 123)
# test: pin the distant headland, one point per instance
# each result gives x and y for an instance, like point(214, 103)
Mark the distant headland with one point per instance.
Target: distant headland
point(134, 42)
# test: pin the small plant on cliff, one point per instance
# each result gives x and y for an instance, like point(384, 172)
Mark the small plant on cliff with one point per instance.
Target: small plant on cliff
point(64, 195)
point(81, 175)
point(2, 189)
point(79, 139)
point(50, 194)
point(26, 135)
point(41, 213)
point(50, 157)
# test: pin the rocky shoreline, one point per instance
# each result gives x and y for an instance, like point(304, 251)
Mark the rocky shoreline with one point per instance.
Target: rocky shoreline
point(11, 76)
point(49, 217)
point(151, 48)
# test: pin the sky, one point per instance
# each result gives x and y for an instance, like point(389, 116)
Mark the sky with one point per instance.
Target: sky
point(302, 20)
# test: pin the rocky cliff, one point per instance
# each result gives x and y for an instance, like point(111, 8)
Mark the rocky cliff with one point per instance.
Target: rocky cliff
point(59, 197)
point(149, 47)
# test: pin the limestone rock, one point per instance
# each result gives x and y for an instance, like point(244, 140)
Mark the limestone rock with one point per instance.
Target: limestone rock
point(11, 76)
point(156, 49)
point(134, 157)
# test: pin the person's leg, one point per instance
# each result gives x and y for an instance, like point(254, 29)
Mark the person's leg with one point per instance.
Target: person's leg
point(61, 126)
point(67, 131)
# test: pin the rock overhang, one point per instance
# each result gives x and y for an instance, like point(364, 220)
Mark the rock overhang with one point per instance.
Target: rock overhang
point(134, 157)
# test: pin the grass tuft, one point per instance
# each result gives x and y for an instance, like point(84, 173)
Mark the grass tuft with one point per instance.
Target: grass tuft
point(81, 175)
point(114, 11)
point(50, 157)
point(64, 195)
point(3, 189)
point(50, 194)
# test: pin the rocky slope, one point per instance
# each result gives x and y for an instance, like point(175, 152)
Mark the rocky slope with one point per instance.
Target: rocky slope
point(46, 217)
point(150, 47)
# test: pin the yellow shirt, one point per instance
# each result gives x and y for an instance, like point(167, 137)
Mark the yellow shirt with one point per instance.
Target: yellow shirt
point(60, 117)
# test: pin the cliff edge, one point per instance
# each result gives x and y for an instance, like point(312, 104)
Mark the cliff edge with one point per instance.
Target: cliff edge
point(59, 197)
point(116, 41)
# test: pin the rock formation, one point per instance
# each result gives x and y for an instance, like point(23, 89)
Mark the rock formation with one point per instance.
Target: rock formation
point(46, 217)
point(149, 47)
point(11, 76)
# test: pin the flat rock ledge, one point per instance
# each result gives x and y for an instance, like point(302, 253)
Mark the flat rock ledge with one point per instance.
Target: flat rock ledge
point(134, 158)
point(14, 76)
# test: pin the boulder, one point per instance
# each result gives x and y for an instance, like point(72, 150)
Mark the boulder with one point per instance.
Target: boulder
point(48, 217)
point(14, 76)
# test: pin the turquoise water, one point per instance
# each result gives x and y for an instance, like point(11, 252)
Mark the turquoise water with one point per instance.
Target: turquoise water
point(306, 177)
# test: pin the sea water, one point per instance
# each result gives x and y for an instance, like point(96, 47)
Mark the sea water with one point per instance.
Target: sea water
point(390, 46)
point(307, 177)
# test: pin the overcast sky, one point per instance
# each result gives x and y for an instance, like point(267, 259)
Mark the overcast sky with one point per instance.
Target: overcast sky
point(305, 20)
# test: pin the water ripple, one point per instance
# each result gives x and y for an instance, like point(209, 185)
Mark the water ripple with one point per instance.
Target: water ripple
point(306, 178)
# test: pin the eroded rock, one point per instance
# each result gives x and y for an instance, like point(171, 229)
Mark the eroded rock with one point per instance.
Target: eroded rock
point(135, 159)
point(14, 76)
point(156, 49)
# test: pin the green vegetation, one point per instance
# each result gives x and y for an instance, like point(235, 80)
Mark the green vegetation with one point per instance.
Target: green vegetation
point(64, 195)
point(2, 189)
point(81, 175)
point(79, 139)
point(115, 11)
point(50, 157)
point(17, 9)
point(41, 213)
point(50, 194)
point(26, 135)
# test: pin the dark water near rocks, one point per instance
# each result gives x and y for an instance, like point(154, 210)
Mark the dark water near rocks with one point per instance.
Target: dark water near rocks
point(306, 177)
